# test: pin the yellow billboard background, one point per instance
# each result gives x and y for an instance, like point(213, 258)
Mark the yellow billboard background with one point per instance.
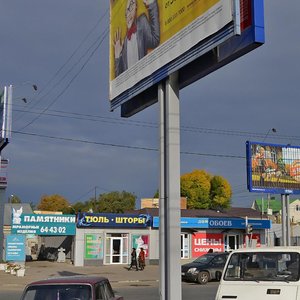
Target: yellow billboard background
point(174, 15)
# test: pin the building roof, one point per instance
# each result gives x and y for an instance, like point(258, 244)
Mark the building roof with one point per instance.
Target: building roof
point(233, 212)
point(274, 204)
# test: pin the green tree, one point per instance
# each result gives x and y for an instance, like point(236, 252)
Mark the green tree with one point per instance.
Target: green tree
point(54, 202)
point(220, 193)
point(14, 199)
point(115, 202)
point(196, 187)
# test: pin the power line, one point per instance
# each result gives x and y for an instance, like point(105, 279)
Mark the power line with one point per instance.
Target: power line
point(123, 146)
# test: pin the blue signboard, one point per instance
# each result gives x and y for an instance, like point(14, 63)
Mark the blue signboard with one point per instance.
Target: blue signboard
point(15, 247)
point(40, 224)
point(233, 223)
point(113, 220)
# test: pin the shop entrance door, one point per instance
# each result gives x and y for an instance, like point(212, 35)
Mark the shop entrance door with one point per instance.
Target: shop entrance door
point(184, 245)
point(116, 250)
point(231, 242)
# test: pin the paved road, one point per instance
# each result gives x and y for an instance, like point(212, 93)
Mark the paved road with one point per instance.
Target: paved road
point(131, 284)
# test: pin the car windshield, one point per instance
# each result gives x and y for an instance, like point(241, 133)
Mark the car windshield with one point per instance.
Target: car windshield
point(204, 259)
point(58, 292)
point(263, 266)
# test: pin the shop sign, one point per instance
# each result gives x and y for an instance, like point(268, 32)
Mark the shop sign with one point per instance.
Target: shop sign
point(234, 223)
point(202, 242)
point(113, 220)
point(93, 246)
point(42, 224)
point(15, 247)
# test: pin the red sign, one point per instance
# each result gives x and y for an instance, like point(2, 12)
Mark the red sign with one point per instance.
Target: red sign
point(253, 238)
point(202, 242)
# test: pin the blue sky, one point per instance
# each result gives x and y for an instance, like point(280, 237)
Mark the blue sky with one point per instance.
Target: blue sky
point(65, 139)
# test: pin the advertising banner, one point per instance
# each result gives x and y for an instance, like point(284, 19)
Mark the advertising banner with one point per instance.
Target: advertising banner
point(93, 246)
point(141, 241)
point(273, 168)
point(202, 242)
point(40, 224)
point(109, 220)
point(15, 247)
point(146, 35)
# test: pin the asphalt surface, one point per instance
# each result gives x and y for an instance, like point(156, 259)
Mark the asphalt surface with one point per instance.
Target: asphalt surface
point(37, 270)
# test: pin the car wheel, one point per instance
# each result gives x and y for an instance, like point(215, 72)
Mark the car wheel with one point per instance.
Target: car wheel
point(203, 277)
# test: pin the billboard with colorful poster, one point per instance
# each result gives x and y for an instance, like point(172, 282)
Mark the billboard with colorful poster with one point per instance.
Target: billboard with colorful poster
point(141, 241)
point(202, 242)
point(151, 39)
point(273, 168)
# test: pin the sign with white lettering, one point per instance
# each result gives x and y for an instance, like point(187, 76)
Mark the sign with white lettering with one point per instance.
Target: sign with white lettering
point(40, 224)
point(113, 220)
point(15, 247)
point(202, 242)
point(235, 223)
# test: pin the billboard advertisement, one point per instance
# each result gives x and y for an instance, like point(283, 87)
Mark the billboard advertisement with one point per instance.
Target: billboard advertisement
point(145, 35)
point(192, 37)
point(202, 242)
point(141, 241)
point(273, 168)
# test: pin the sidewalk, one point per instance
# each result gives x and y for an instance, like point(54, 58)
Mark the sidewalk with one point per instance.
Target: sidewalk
point(37, 270)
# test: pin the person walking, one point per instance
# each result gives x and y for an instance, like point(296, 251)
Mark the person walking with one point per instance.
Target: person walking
point(133, 260)
point(141, 259)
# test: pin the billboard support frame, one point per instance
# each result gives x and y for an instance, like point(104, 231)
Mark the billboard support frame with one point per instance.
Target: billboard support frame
point(170, 272)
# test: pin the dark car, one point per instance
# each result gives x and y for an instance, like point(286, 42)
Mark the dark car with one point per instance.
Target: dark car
point(70, 288)
point(205, 268)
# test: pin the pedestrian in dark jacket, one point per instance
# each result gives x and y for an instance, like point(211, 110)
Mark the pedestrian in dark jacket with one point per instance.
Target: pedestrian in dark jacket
point(133, 260)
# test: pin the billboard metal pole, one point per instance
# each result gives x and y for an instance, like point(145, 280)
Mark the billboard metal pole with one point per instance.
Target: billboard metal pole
point(161, 100)
point(288, 224)
point(171, 265)
point(283, 220)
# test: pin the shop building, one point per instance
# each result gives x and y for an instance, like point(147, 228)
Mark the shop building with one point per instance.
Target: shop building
point(109, 238)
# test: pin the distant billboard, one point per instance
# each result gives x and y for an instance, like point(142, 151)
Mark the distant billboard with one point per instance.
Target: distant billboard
point(273, 168)
point(5, 115)
point(149, 40)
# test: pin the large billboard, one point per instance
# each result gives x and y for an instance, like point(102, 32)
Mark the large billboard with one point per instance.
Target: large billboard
point(146, 35)
point(273, 168)
point(151, 39)
point(5, 115)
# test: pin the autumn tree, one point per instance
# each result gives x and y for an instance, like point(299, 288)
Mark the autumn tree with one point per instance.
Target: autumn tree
point(54, 203)
point(196, 187)
point(204, 191)
point(14, 199)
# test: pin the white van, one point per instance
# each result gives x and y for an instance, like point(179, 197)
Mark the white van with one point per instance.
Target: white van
point(261, 273)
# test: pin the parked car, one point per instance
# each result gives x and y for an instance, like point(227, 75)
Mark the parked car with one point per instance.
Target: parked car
point(205, 268)
point(70, 288)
